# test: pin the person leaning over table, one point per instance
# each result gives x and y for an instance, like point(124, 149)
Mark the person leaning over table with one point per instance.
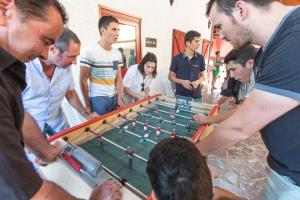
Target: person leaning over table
point(27, 29)
point(273, 106)
point(138, 79)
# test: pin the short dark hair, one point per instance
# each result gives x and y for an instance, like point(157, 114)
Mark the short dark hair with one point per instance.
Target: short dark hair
point(226, 6)
point(104, 21)
point(37, 9)
point(242, 55)
point(149, 57)
point(63, 42)
point(190, 35)
point(177, 171)
point(217, 52)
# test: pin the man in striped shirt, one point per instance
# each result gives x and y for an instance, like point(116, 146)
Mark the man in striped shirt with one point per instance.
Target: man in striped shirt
point(101, 65)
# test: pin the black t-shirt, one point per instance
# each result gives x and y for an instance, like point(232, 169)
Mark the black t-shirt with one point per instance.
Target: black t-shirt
point(232, 88)
point(18, 179)
point(277, 70)
point(188, 69)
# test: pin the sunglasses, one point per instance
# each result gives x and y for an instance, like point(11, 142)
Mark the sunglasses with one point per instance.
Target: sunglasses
point(143, 86)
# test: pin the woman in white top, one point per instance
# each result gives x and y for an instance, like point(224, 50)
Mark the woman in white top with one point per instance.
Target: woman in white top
point(138, 79)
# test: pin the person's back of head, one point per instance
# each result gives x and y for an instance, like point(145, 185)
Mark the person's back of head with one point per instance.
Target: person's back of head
point(242, 55)
point(105, 21)
point(63, 42)
point(178, 171)
point(226, 6)
point(37, 9)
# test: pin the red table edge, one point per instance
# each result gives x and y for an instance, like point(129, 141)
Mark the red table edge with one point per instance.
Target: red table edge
point(62, 133)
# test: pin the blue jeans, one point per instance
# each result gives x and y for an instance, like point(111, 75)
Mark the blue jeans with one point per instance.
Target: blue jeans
point(279, 187)
point(103, 104)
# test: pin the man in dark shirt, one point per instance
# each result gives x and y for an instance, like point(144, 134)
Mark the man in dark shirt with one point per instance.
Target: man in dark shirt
point(27, 28)
point(187, 68)
point(273, 107)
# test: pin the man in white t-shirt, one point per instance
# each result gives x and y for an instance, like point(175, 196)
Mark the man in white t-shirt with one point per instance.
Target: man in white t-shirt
point(101, 66)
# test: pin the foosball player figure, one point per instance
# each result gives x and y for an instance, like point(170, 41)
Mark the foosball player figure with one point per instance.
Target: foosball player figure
point(146, 125)
point(133, 122)
point(161, 120)
point(146, 134)
point(124, 117)
point(173, 133)
point(157, 131)
point(129, 153)
point(100, 139)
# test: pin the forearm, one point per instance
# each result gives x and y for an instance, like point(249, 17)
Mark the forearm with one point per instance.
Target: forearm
point(74, 100)
point(223, 136)
point(119, 87)
point(221, 117)
point(50, 190)
point(85, 92)
point(173, 78)
point(131, 93)
point(202, 78)
point(35, 139)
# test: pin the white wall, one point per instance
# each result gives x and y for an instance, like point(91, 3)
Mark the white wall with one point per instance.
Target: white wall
point(158, 21)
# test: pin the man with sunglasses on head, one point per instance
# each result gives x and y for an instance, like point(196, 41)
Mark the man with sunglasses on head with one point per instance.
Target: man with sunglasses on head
point(187, 68)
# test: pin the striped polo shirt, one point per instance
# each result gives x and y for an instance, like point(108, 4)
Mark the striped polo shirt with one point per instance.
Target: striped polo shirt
point(103, 66)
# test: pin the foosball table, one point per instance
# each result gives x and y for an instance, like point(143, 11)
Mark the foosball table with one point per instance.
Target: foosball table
point(118, 144)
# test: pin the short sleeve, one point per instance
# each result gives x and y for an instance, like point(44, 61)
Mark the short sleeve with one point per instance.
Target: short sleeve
point(202, 64)
point(71, 83)
point(86, 58)
point(174, 65)
point(129, 77)
point(278, 71)
point(120, 59)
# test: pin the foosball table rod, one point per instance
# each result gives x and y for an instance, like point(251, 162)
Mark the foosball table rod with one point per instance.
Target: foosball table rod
point(115, 144)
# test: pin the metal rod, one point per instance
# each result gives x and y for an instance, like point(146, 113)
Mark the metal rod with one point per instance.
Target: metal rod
point(138, 112)
point(136, 135)
point(124, 182)
point(164, 100)
point(180, 109)
point(168, 113)
point(139, 122)
point(115, 144)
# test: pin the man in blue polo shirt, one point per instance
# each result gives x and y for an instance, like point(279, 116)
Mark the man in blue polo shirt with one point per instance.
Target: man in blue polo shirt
point(187, 68)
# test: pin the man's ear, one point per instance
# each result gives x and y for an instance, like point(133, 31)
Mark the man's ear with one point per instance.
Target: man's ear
point(6, 11)
point(187, 43)
point(250, 64)
point(53, 49)
point(102, 29)
point(240, 11)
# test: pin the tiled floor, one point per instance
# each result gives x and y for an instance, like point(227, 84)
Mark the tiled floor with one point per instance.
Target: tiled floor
point(242, 168)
